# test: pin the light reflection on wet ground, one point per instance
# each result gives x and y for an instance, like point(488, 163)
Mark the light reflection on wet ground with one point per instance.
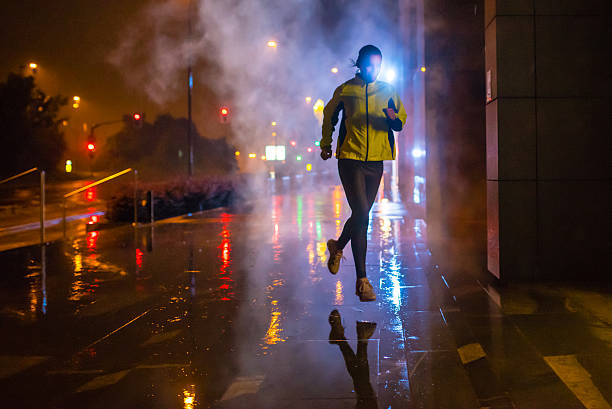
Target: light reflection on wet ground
point(232, 310)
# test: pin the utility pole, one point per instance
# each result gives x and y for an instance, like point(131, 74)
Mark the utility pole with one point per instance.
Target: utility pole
point(189, 89)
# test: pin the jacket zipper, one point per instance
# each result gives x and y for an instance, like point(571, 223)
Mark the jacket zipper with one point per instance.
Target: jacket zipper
point(367, 125)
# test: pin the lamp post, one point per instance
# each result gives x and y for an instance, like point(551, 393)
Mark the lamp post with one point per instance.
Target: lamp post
point(189, 90)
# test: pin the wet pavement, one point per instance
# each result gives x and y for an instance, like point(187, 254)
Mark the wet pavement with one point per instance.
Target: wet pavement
point(236, 309)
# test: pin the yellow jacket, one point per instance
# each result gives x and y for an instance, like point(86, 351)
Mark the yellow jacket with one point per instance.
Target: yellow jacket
point(365, 133)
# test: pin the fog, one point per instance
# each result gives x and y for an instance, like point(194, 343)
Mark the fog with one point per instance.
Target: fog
point(229, 53)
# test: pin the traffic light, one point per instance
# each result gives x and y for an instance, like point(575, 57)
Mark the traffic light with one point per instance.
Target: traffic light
point(138, 119)
point(91, 148)
point(224, 115)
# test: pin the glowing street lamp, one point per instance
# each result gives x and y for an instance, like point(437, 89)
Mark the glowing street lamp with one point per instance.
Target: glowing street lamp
point(308, 100)
point(334, 70)
point(76, 102)
point(272, 44)
point(33, 65)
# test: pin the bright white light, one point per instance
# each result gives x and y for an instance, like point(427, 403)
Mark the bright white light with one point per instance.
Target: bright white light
point(275, 152)
point(390, 75)
point(419, 181)
point(418, 153)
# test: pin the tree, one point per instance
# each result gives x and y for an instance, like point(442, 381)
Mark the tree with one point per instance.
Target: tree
point(160, 148)
point(30, 133)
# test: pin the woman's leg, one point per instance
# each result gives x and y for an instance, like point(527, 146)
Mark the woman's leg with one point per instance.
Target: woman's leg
point(373, 173)
point(358, 180)
point(352, 183)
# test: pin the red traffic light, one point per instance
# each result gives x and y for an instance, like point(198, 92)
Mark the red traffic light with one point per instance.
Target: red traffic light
point(224, 111)
point(137, 117)
point(91, 147)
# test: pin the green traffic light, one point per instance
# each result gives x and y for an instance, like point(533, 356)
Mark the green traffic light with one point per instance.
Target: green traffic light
point(317, 143)
point(299, 157)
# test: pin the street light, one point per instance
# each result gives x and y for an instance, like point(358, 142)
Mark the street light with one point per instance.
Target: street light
point(308, 100)
point(76, 102)
point(272, 44)
point(33, 65)
point(334, 70)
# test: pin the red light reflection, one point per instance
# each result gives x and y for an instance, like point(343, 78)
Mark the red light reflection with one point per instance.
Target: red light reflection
point(90, 194)
point(225, 256)
point(92, 240)
point(139, 255)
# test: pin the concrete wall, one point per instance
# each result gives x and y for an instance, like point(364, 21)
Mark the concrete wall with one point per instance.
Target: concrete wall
point(548, 138)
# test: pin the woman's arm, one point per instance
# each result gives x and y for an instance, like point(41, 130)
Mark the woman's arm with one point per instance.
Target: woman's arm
point(396, 114)
point(330, 118)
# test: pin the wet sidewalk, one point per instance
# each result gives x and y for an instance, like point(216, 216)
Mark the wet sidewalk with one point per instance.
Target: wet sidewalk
point(228, 309)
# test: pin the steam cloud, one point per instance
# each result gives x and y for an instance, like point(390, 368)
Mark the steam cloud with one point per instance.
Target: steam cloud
point(230, 55)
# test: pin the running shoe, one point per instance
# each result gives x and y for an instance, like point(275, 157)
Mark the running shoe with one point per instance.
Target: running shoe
point(364, 290)
point(335, 255)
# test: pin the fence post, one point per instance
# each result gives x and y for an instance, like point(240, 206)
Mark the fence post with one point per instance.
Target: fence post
point(42, 207)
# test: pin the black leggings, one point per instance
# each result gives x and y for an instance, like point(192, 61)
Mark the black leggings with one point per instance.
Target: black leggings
point(360, 181)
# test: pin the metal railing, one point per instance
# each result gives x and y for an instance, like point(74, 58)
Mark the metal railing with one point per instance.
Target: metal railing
point(99, 182)
point(42, 197)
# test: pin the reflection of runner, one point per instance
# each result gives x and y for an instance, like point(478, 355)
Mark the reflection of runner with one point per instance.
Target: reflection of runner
point(371, 111)
point(356, 365)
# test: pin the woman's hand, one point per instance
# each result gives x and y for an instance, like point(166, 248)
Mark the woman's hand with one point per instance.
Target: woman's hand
point(326, 152)
point(390, 112)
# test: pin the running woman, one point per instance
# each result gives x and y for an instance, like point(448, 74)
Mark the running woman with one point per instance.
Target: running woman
point(371, 111)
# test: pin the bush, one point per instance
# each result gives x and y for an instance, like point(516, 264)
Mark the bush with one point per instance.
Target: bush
point(174, 198)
